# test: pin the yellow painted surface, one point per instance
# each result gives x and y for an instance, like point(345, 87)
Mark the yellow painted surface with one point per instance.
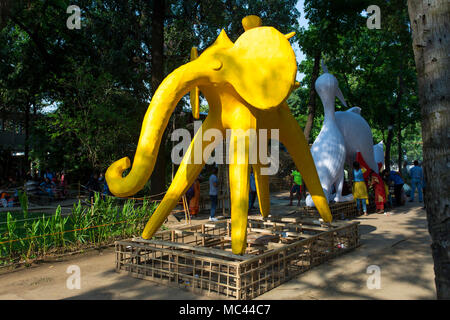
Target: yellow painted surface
point(246, 84)
point(194, 95)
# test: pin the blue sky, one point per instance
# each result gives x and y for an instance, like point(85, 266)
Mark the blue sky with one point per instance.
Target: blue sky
point(303, 23)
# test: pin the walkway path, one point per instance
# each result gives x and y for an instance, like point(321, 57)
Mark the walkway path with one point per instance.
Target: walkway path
point(399, 244)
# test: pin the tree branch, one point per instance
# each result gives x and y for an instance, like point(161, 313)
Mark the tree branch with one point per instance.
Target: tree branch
point(37, 41)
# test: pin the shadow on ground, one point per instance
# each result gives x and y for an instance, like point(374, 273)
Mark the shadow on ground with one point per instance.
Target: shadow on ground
point(398, 244)
point(126, 287)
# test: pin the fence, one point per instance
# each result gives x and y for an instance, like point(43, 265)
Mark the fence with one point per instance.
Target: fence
point(199, 258)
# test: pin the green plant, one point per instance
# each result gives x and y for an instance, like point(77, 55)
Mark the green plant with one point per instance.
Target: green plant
point(11, 227)
point(23, 199)
point(106, 220)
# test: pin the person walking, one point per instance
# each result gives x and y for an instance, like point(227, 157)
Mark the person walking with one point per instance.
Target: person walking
point(63, 184)
point(194, 198)
point(398, 186)
point(296, 187)
point(416, 174)
point(252, 196)
point(213, 183)
point(359, 188)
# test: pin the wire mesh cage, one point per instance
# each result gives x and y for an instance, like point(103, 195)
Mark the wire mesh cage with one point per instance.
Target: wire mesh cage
point(199, 258)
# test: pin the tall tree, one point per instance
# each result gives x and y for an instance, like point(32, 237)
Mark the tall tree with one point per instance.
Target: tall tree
point(374, 67)
point(431, 44)
point(158, 179)
point(327, 19)
point(99, 79)
point(312, 94)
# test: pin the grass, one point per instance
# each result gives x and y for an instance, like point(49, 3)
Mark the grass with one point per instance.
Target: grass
point(28, 235)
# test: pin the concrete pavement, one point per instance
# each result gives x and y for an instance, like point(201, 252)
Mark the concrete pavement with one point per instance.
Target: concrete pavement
point(398, 244)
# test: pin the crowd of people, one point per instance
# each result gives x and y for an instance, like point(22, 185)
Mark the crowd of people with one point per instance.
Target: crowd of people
point(54, 185)
point(9, 193)
point(97, 184)
point(389, 188)
point(399, 184)
point(395, 184)
point(47, 183)
point(405, 183)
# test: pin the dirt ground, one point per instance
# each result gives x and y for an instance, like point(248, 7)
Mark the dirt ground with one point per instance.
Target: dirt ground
point(397, 245)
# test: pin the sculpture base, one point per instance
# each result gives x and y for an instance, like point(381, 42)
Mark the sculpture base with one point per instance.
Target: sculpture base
point(199, 258)
point(340, 210)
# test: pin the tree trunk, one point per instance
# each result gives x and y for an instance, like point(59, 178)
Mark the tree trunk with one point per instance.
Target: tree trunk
point(387, 154)
point(27, 137)
point(399, 140)
point(431, 29)
point(158, 179)
point(312, 95)
point(4, 12)
point(396, 106)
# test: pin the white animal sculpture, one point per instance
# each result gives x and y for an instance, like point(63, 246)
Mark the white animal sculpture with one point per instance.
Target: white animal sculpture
point(328, 150)
point(357, 136)
point(378, 152)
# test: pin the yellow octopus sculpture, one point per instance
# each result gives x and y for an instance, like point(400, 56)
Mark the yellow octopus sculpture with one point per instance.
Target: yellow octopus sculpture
point(246, 84)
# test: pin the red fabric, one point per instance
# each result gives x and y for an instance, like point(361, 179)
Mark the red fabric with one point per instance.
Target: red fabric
point(364, 165)
point(380, 195)
point(380, 190)
point(377, 182)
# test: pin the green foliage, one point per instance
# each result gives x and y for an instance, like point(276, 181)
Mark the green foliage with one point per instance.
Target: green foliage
point(23, 200)
point(23, 238)
point(375, 68)
point(411, 143)
point(98, 78)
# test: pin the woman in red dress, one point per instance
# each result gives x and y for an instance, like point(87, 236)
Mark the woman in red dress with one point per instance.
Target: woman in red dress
point(378, 187)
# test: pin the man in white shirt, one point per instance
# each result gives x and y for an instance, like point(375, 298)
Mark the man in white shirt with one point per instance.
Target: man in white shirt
point(213, 182)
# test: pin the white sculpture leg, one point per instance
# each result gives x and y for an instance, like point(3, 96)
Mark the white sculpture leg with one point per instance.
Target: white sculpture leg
point(338, 186)
point(310, 203)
